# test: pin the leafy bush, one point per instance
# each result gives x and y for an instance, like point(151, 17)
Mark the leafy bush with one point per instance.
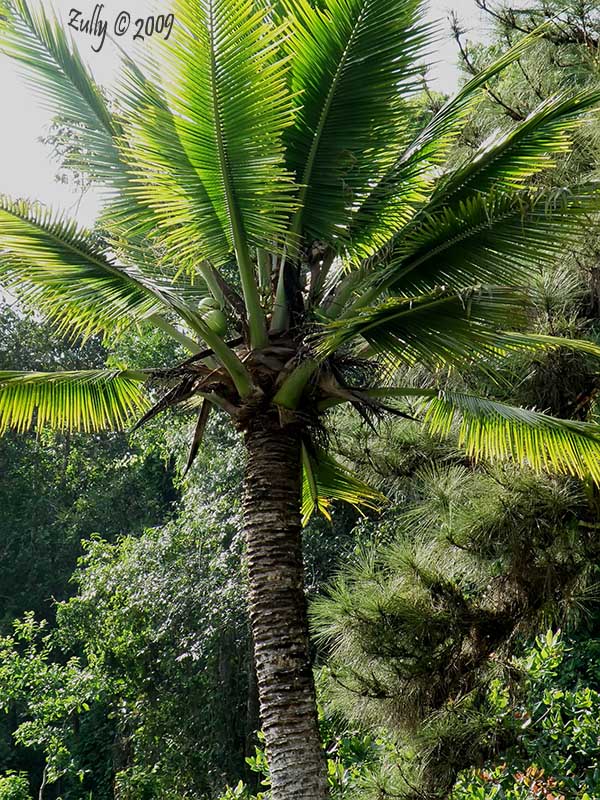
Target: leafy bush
point(14, 786)
point(557, 749)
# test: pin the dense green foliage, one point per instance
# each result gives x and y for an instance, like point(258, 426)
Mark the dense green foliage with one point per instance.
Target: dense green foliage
point(555, 724)
point(145, 685)
point(58, 488)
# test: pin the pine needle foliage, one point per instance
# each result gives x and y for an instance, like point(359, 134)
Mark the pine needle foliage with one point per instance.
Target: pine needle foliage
point(421, 628)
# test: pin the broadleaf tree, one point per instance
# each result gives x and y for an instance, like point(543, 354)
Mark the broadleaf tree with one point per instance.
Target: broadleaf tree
point(271, 203)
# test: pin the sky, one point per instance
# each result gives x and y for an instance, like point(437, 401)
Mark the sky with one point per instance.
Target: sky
point(26, 169)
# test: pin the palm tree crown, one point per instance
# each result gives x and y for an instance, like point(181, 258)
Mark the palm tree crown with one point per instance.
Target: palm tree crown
point(274, 203)
point(281, 140)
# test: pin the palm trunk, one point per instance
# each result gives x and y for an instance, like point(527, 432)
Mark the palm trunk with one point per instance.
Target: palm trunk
point(277, 606)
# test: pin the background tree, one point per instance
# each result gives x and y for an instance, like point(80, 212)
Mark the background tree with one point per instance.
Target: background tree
point(154, 698)
point(59, 488)
point(282, 141)
point(422, 627)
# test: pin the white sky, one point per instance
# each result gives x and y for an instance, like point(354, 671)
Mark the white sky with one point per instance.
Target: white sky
point(25, 167)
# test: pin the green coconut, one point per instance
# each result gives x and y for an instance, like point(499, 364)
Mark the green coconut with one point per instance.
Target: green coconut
point(216, 321)
point(212, 314)
point(208, 304)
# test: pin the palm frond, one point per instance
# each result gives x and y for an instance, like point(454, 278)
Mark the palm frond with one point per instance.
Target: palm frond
point(163, 179)
point(87, 400)
point(64, 272)
point(507, 161)
point(443, 329)
point(395, 198)
point(227, 87)
point(54, 68)
point(488, 429)
point(498, 238)
point(355, 64)
point(325, 481)
point(491, 430)
point(50, 262)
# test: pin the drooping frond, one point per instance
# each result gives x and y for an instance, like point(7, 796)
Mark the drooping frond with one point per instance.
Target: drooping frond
point(325, 481)
point(87, 400)
point(49, 261)
point(53, 264)
point(499, 238)
point(488, 429)
point(62, 81)
point(444, 329)
point(491, 430)
point(508, 161)
point(201, 423)
point(355, 64)
point(55, 69)
point(392, 200)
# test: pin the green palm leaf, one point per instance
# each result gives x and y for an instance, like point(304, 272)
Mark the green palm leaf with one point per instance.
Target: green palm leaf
point(488, 429)
point(439, 328)
point(491, 430)
point(354, 65)
point(227, 88)
point(395, 198)
point(87, 400)
point(499, 238)
point(50, 262)
point(54, 68)
point(163, 179)
point(444, 329)
point(164, 185)
point(57, 73)
point(325, 481)
point(508, 161)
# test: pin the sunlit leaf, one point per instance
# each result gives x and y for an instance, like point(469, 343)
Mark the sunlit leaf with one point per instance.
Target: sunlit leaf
point(86, 400)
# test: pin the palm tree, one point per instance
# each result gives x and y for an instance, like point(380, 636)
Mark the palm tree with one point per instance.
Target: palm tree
point(271, 203)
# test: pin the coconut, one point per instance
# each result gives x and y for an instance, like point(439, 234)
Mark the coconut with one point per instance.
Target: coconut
point(216, 321)
point(208, 304)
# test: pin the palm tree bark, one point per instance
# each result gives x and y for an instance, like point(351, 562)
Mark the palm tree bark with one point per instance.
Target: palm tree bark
point(278, 614)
